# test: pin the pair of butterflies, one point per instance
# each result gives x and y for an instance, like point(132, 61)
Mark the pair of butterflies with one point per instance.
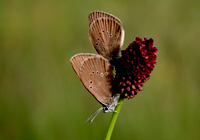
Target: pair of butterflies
point(95, 71)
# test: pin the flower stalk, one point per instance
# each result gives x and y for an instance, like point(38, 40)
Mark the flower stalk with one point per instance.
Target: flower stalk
point(114, 118)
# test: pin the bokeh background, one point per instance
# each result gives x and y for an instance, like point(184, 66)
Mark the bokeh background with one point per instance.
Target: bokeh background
point(42, 98)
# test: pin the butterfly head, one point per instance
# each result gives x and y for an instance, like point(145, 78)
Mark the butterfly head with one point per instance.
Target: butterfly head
point(112, 105)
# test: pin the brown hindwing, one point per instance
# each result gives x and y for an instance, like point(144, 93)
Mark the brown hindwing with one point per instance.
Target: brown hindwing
point(77, 59)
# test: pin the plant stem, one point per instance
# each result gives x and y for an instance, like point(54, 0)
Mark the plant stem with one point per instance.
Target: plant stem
point(113, 119)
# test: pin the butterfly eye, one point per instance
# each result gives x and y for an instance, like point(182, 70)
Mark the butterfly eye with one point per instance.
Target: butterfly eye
point(115, 35)
point(110, 35)
point(90, 81)
point(97, 44)
point(106, 108)
point(101, 74)
point(106, 73)
point(106, 32)
point(97, 72)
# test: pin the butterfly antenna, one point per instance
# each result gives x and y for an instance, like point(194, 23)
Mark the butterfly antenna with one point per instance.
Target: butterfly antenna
point(93, 116)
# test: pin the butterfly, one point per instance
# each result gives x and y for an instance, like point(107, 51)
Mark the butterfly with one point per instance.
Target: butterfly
point(95, 71)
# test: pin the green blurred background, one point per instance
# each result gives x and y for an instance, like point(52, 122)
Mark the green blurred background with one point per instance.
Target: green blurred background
point(41, 97)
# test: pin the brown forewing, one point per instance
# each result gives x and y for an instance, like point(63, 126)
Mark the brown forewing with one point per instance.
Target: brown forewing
point(96, 75)
point(99, 14)
point(107, 36)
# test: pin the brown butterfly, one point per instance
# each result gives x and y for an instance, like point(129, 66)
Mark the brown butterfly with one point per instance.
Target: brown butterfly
point(95, 71)
point(106, 34)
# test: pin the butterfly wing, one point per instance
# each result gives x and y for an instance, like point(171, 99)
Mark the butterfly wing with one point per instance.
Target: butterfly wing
point(107, 36)
point(99, 14)
point(96, 75)
point(77, 59)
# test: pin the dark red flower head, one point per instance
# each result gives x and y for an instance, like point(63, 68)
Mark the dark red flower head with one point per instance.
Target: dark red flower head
point(134, 67)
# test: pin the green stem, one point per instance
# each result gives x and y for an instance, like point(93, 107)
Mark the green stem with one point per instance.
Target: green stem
point(113, 119)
